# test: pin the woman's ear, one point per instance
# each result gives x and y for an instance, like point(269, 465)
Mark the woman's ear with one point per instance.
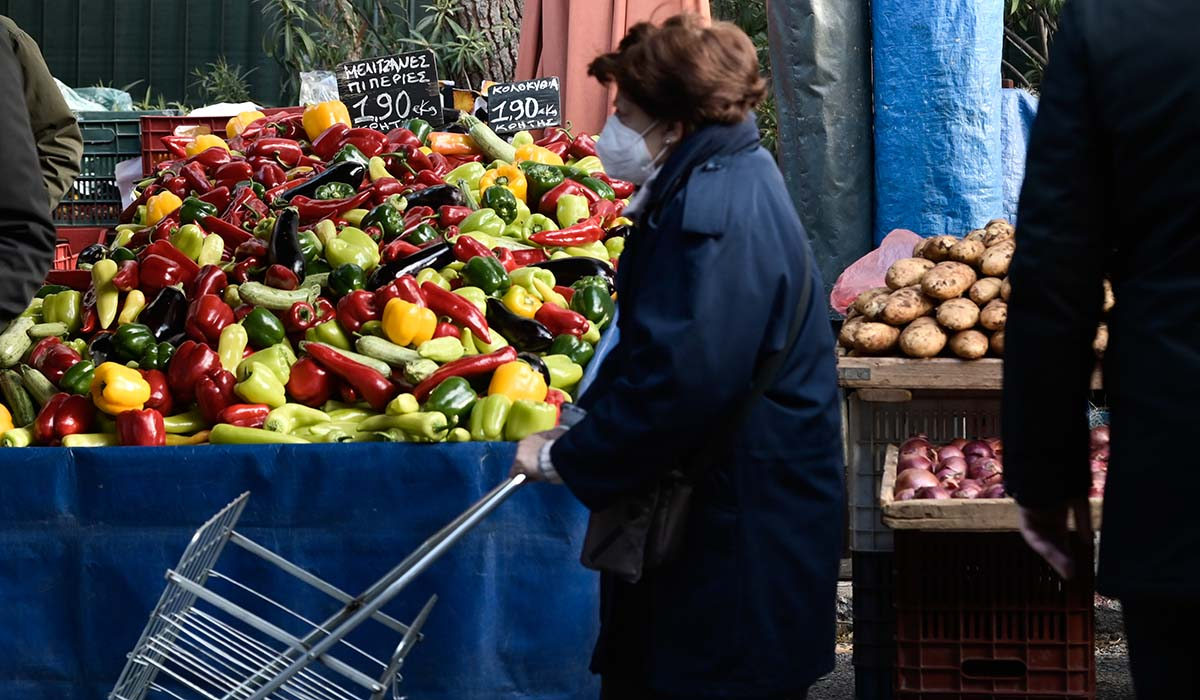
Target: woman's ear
point(673, 135)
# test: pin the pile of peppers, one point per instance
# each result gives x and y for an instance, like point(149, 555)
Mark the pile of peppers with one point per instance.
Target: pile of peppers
point(307, 281)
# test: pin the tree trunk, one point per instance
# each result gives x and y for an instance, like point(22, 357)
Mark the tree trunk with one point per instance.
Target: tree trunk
point(500, 22)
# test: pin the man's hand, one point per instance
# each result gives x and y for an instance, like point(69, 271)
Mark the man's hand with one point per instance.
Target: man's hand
point(529, 452)
point(1046, 532)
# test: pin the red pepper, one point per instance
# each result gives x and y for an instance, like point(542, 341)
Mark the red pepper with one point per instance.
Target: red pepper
point(403, 287)
point(459, 309)
point(559, 148)
point(242, 271)
point(196, 177)
point(274, 192)
point(207, 316)
point(565, 292)
point(529, 256)
point(143, 428)
point(371, 385)
point(470, 366)
point(130, 211)
point(453, 216)
point(549, 203)
point(177, 145)
point(347, 393)
point(386, 187)
point(157, 272)
point(191, 362)
point(269, 175)
point(213, 393)
point(582, 233)
point(127, 276)
point(606, 210)
point(53, 358)
point(245, 415)
point(63, 415)
point(178, 186)
point(165, 249)
point(416, 216)
point(396, 250)
point(281, 277)
point(162, 230)
point(232, 235)
point(286, 151)
point(232, 172)
point(447, 330)
point(309, 383)
point(160, 394)
point(439, 165)
point(243, 197)
point(621, 188)
point(242, 312)
point(505, 256)
point(212, 158)
point(324, 309)
point(251, 248)
point(300, 317)
point(211, 280)
point(583, 146)
point(355, 309)
point(401, 138)
point(429, 178)
point(555, 135)
point(560, 321)
point(369, 141)
point(416, 160)
point(466, 248)
point(317, 209)
point(91, 319)
point(556, 398)
point(456, 161)
point(327, 144)
point(218, 197)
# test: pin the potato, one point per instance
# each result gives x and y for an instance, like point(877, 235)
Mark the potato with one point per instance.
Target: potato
point(967, 252)
point(958, 314)
point(922, 338)
point(976, 235)
point(998, 231)
point(997, 258)
point(846, 334)
point(948, 280)
point(984, 290)
point(919, 248)
point(969, 345)
point(907, 272)
point(1005, 289)
point(1109, 300)
point(938, 248)
point(994, 315)
point(1100, 344)
point(905, 306)
point(997, 344)
point(875, 338)
point(863, 302)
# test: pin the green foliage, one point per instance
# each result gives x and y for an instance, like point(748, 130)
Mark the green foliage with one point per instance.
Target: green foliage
point(221, 82)
point(751, 17)
point(460, 51)
point(1029, 28)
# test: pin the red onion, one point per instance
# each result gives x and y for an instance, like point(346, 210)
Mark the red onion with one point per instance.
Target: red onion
point(993, 491)
point(975, 460)
point(985, 470)
point(1101, 453)
point(996, 445)
point(979, 448)
point(1098, 466)
point(905, 495)
point(915, 479)
point(918, 447)
point(1095, 492)
point(950, 451)
point(914, 461)
point(968, 489)
point(948, 473)
point(959, 443)
point(951, 483)
point(1099, 437)
point(934, 492)
point(958, 464)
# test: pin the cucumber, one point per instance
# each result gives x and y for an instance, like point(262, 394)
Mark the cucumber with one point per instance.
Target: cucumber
point(15, 341)
point(386, 351)
point(17, 399)
point(258, 294)
point(374, 363)
point(36, 383)
point(493, 147)
point(48, 330)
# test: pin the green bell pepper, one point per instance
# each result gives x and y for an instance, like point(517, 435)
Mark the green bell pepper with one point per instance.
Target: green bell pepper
point(600, 187)
point(354, 217)
point(48, 289)
point(79, 345)
point(540, 179)
point(78, 379)
point(422, 234)
point(334, 190)
point(195, 209)
point(538, 223)
point(189, 239)
point(574, 349)
point(65, 308)
point(330, 333)
point(310, 246)
point(350, 154)
point(502, 201)
point(441, 350)
point(468, 174)
point(572, 208)
point(590, 281)
point(157, 356)
point(486, 273)
point(402, 404)
point(488, 417)
point(484, 221)
point(121, 254)
point(515, 231)
point(431, 275)
point(347, 278)
point(278, 359)
point(132, 341)
point(615, 246)
point(263, 328)
point(475, 295)
point(420, 128)
point(564, 372)
point(595, 304)
point(453, 398)
point(353, 246)
point(528, 417)
point(387, 218)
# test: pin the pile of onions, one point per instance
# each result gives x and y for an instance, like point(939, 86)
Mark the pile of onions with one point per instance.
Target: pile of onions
point(960, 469)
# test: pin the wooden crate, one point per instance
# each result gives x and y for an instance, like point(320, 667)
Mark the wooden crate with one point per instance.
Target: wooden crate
point(982, 514)
point(935, 373)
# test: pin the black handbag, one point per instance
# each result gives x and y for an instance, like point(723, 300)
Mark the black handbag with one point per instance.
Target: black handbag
point(646, 530)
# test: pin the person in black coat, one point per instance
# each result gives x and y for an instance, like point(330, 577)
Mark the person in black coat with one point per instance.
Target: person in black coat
point(27, 233)
point(1113, 186)
point(709, 286)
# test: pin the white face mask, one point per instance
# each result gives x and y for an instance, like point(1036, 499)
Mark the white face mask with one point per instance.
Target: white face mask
point(624, 153)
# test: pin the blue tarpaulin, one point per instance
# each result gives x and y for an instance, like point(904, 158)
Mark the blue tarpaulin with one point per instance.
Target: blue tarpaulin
point(1016, 118)
point(87, 535)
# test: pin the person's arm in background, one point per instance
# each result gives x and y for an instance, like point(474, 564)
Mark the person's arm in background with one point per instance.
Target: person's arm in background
point(27, 234)
point(59, 141)
point(1057, 275)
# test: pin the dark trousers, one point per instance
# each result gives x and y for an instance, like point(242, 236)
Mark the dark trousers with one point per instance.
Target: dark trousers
point(612, 688)
point(1163, 647)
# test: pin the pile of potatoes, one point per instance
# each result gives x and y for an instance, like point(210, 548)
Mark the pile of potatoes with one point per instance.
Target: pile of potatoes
point(950, 295)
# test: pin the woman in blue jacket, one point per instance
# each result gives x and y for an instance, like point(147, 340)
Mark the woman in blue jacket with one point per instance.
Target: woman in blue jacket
point(709, 288)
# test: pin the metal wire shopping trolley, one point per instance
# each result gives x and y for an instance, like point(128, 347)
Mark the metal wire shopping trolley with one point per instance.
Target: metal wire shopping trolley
point(202, 644)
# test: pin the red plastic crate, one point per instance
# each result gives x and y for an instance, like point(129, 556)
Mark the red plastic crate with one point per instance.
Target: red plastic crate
point(72, 240)
point(156, 127)
point(979, 615)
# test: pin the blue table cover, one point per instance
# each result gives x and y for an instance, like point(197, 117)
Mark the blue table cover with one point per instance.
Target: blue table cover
point(86, 536)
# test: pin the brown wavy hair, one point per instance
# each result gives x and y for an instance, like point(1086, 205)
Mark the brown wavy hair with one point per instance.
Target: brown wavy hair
point(686, 70)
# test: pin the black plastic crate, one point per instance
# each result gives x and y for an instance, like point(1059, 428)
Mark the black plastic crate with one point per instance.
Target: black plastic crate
point(874, 625)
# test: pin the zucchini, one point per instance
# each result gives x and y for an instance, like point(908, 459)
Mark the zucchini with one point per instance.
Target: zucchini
point(17, 399)
point(258, 294)
point(15, 341)
point(376, 364)
point(36, 383)
point(386, 351)
point(317, 279)
point(54, 329)
point(493, 147)
point(17, 437)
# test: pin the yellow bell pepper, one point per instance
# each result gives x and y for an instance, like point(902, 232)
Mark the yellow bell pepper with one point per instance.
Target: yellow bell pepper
point(537, 154)
point(321, 116)
point(517, 380)
point(204, 142)
point(510, 177)
point(236, 125)
point(117, 388)
point(405, 323)
point(6, 423)
point(160, 206)
point(519, 301)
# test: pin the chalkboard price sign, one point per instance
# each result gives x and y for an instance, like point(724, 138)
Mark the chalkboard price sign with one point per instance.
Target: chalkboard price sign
point(523, 106)
point(382, 93)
